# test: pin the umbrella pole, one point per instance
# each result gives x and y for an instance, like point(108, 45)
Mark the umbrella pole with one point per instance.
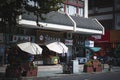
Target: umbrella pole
point(36, 54)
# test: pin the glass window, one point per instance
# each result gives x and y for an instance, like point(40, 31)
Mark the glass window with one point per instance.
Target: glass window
point(117, 4)
point(81, 12)
point(71, 10)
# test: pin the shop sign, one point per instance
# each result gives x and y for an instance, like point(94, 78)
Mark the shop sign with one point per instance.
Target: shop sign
point(51, 38)
point(101, 38)
point(97, 36)
point(89, 43)
point(68, 42)
point(1, 38)
point(21, 38)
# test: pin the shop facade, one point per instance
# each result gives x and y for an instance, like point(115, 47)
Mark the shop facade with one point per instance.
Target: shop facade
point(46, 36)
point(75, 42)
point(2, 48)
point(71, 30)
point(109, 43)
point(8, 40)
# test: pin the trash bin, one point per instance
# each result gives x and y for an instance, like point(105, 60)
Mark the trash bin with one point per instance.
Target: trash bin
point(71, 67)
point(67, 68)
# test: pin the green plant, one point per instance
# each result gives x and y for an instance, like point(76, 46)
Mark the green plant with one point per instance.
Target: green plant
point(88, 63)
point(33, 66)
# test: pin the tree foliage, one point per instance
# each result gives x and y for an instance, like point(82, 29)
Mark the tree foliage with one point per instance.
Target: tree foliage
point(11, 9)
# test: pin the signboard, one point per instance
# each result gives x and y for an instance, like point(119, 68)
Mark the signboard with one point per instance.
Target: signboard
point(68, 42)
point(97, 36)
point(89, 43)
point(16, 38)
point(101, 38)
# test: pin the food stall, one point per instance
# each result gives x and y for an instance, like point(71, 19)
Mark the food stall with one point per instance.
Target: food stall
point(49, 57)
point(20, 60)
point(20, 64)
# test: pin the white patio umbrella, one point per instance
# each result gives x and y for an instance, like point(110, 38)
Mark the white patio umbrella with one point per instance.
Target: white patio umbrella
point(30, 47)
point(57, 47)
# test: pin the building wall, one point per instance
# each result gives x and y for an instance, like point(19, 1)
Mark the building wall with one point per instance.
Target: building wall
point(101, 13)
point(115, 36)
point(106, 11)
point(76, 7)
point(104, 15)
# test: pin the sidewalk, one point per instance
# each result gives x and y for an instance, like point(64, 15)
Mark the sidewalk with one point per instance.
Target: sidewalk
point(57, 70)
point(2, 71)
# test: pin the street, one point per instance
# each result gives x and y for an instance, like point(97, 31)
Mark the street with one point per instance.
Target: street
point(54, 72)
point(93, 76)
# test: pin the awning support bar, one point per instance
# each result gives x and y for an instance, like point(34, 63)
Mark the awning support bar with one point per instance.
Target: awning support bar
point(103, 32)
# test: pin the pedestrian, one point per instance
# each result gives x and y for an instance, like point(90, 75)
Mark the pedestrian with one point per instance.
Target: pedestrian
point(6, 55)
point(88, 55)
point(110, 62)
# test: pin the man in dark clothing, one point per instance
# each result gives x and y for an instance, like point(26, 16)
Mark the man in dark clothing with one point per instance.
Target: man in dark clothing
point(110, 62)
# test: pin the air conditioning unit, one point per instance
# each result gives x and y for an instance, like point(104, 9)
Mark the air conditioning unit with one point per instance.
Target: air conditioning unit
point(69, 35)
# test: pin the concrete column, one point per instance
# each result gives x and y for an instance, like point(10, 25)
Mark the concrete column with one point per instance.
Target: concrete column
point(86, 8)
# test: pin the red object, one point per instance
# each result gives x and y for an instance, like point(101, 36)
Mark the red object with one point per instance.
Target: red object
point(102, 41)
point(101, 38)
point(32, 72)
point(99, 69)
point(88, 69)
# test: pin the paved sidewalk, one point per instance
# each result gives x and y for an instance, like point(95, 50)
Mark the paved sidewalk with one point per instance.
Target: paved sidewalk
point(2, 71)
point(57, 70)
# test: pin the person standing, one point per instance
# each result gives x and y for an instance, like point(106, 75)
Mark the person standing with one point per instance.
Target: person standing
point(6, 56)
point(88, 55)
point(110, 62)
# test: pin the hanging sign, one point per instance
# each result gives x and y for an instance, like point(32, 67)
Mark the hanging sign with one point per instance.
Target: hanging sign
point(89, 43)
point(68, 42)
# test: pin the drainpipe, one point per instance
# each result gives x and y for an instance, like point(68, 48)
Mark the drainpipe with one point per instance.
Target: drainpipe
point(74, 28)
point(103, 32)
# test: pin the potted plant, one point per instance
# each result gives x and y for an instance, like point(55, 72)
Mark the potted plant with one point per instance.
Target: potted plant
point(97, 66)
point(32, 71)
point(88, 67)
